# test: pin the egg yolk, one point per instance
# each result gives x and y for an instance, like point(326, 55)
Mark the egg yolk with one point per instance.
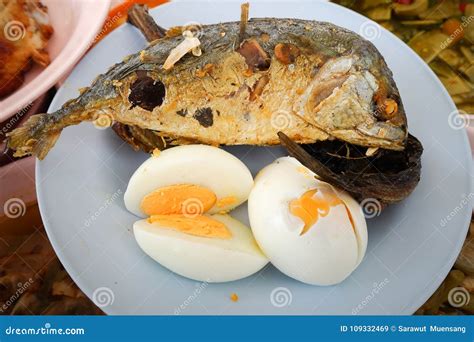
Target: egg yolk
point(203, 226)
point(178, 199)
point(225, 201)
point(309, 207)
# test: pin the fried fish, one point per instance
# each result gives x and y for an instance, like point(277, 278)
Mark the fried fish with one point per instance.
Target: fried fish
point(312, 80)
point(244, 82)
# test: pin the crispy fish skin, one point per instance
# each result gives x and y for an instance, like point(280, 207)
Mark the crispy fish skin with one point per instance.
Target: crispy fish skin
point(312, 80)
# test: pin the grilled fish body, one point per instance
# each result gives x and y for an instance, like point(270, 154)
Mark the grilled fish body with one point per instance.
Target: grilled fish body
point(312, 80)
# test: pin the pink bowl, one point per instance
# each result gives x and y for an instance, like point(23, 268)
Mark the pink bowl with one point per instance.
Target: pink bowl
point(76, 24)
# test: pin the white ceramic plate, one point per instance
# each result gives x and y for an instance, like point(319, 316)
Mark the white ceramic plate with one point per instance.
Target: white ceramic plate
point(412, 245)
point(75, 23)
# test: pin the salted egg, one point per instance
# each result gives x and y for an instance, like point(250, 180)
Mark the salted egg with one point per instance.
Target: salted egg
point(189, 179)
point(184, 193)
point(309, 230)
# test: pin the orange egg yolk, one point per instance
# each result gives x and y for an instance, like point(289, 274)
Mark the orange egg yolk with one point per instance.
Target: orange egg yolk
point(310, 206)
point(181, 207)
point(200, 225)
point(178, 199)
point(225, 201)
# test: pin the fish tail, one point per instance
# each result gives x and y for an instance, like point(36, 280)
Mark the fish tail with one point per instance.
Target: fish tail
point(33, 137)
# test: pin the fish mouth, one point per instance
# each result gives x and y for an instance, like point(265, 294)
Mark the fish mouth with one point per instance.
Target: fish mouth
point(387, 176)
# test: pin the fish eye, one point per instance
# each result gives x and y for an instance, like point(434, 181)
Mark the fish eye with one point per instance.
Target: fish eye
point(146, 92)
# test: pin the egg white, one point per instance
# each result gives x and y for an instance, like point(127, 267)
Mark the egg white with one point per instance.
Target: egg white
point(202, 258)
point(203, 165)
point(324, 255)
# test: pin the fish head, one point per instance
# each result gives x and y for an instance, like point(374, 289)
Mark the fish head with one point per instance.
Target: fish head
point(354, 104)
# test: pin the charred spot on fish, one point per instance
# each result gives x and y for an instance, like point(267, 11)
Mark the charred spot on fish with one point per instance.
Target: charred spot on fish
point(388, 176)
point(286, 53)
point(254, 55)
point(182, 112)
point(146, 93)
point(204, 116)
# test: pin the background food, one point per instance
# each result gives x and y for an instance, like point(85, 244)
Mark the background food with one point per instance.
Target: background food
point(26, 31)
point(441, 32)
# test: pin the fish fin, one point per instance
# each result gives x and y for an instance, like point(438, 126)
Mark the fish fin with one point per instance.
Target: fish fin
point(244, 18)
point(24, 141)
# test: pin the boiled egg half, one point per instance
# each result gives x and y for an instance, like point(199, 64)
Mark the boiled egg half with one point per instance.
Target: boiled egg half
point(185, 193)
point(309, 230)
